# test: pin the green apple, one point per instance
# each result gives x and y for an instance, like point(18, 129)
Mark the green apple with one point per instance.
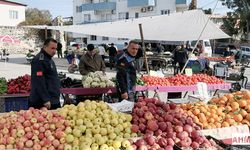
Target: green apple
point(72, 123)
point(125, 125)
point(104, 131)
point(104, 147)
point(109, 142)
point(98, 121)
point(96, 129)
point(100, 140)
point(112, 136)
point(88, 131)
point(126, 143)
point(82, 138)
point(105, 116)
point(67, 147)
point(114, 122)
point(77, 133)
point(126, 135)
point(106, 121)
point(117, 131)
point(85, 146)
point(120, 121)
point(130, 148)
point(88, 135)
point(69, 138)
point(110, 128)
point(111, 148)
point(117, 144)
point(89, 124)
point(129, 117)
point(128, 130)
point(79, 122)
point(68, 130)
point(82, 128)
point(81, 115)
point(76, 141)
point(120, 127)
point(97, 135)
point(75, 147)
point(86, 120)
point(72, 113)
point(94, 146)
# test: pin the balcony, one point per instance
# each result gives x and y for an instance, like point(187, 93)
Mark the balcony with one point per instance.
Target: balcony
point(99, 6)
point(140, 3)
point(181, 2)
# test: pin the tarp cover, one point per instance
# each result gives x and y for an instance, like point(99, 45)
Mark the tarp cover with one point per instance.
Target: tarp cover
point(182, 26)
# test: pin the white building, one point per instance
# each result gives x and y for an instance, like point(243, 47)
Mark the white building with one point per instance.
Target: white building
point(11, 13)
point(93, 11)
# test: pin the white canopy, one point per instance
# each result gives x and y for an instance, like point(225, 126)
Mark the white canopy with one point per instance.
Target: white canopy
point(182, 26)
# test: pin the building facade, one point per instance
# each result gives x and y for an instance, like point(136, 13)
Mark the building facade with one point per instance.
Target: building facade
point(11, 13)
point(95, 11)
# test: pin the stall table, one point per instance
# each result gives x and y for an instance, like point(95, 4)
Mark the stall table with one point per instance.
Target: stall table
point(14, 102)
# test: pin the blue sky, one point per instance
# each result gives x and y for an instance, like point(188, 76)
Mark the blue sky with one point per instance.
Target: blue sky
point(65, 8)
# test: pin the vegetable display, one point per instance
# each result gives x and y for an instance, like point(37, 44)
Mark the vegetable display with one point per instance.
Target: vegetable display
point(3, 85)
point(162, 125)
point(22, 84)
point(180, 80)
point(96, 79)
point(229, 110)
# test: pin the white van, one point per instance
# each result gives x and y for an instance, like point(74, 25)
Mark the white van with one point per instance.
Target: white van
point(245, 51)
point(206, 44)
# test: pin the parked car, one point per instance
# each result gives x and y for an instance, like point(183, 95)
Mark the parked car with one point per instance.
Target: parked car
point(220, 49)
point(245, 51)
point(206, 44)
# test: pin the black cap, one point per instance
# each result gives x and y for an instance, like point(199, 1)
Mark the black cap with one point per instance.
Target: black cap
point(90, 47)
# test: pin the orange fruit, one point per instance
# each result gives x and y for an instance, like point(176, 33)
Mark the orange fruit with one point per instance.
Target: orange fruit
point(242, 103)
point(229, 96)
point(248, 102)
point(211, 120)
point(238, 118)
point(238, 93)
point(246, 95)
point(248, 117)
point(247, 108)
point(196, 112)
point(243, 112)
point(244, 121)
point(235, 106)
point(225, 124)
point(228, 108)
point(217, 124)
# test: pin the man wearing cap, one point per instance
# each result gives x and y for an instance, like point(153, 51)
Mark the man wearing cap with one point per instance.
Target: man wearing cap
point(91, 61)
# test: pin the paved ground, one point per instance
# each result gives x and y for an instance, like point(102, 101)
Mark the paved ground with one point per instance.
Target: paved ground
point(18, 66)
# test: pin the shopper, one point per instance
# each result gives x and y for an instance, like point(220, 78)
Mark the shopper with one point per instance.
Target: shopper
point(59, 50)
point(126, 72)
point(45, 91)
point(112, 50)
point(181, 56)
point(91, 61)
point(102, 51)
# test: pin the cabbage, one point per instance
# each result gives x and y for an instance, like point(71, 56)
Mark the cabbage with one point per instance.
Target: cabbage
point(96, 79)
point(95, 84)
point(88, 80)
point(102, 84)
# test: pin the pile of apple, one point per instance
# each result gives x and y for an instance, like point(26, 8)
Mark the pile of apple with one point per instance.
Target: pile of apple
point(32, 129)
point(94, 126)
point(164, 125)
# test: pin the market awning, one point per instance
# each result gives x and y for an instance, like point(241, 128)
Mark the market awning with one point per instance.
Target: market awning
point(182, 26)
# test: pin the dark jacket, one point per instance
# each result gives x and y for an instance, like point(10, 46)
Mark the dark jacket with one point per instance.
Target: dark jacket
point(112, 51)
point(126, 73)
point(44, 80)
point(88, 64)
point(181, 56)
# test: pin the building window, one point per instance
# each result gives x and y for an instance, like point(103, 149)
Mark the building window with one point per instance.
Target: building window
point(127, 15)
point(87, 18)
point(104, 38)
point(78, 9)
point(121, 15)
point(93, 38)
point(13, 14)
point(123, 39)
point(164, 12)
point(136, 15)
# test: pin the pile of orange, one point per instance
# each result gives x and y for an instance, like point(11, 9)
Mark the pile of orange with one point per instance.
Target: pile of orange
point(229, 110)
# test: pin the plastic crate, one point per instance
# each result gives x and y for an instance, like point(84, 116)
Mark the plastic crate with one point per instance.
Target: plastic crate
point(16, 103)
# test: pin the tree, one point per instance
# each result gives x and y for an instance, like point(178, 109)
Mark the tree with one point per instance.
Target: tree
point(239, 17)
point(193, 5)
point(35, 16)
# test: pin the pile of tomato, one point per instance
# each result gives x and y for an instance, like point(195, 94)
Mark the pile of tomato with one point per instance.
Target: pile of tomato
point(180, 80)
